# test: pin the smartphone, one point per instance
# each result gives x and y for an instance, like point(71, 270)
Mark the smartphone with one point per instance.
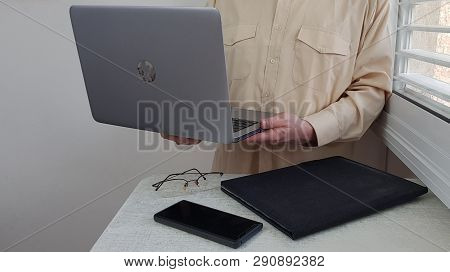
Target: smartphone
point(220, 227)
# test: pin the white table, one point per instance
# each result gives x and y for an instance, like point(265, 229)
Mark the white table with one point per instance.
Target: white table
point(423, 225)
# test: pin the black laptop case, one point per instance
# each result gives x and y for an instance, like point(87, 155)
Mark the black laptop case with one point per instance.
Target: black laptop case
point(317, 195)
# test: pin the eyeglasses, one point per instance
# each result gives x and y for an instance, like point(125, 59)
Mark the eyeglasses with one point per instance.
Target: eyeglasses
point(186, 180)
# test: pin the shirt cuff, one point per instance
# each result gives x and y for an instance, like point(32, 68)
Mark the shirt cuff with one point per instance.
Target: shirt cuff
point(326, 126)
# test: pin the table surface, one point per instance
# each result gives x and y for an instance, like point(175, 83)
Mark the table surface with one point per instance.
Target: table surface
point(422, 225)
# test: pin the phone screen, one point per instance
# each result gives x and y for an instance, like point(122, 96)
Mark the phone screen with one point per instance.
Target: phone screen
point(200, 218)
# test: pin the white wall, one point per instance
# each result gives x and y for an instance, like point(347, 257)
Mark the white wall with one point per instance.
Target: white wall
point(53, 157)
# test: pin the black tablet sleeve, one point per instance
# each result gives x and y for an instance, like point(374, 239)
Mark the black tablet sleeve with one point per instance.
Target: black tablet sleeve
point(317, 195)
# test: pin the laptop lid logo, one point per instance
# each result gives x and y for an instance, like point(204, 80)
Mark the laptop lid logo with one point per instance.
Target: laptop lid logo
point(146, 71)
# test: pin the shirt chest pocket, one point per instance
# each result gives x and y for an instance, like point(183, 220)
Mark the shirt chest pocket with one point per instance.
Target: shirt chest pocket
point(239, 43)
point(320, 55)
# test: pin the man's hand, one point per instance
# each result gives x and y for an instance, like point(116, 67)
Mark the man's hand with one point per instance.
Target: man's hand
point(285, 128)
point(179, 140)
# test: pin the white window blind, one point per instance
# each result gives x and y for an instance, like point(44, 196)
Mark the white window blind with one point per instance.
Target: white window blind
point(422, 70)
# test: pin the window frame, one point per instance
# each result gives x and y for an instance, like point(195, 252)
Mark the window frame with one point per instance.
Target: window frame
point(404, 53)
point(413, 133)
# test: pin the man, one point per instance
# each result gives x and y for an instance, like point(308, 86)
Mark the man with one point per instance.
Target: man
point(324, 66)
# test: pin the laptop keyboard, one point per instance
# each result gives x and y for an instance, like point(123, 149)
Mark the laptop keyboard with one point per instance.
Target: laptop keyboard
point(239, 124)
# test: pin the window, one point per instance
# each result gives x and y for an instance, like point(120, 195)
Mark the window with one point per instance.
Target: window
point(415, 123)
point(422, 70)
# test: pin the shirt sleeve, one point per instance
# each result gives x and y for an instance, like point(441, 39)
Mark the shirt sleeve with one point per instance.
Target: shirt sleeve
point(350, 117)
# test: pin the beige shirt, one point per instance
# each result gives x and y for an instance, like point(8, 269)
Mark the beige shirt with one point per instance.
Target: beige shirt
point(327, 61)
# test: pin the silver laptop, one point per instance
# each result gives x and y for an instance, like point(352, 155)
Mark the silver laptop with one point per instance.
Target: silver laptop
point(159, 69)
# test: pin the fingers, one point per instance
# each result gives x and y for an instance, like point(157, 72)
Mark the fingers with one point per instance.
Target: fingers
point(274, 122)
point(180, 140)
point(272, 136)
point(184, 141)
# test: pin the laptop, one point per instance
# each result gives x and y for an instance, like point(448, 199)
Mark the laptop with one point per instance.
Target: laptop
point(159, 69)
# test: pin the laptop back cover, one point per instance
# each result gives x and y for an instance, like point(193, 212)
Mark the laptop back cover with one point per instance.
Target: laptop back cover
point(313, 196)
point(154, 68)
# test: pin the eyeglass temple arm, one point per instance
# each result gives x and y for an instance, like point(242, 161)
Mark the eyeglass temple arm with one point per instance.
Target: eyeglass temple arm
point(185, 172)
point(158, 185)
point(202, 175)
point(169, 177)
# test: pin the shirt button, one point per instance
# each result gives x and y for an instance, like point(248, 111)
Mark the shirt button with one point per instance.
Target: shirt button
point(273, 61)
point(267, 94)
point(277, 27)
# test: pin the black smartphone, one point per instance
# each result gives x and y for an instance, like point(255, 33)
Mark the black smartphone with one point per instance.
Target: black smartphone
point(221, 227)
